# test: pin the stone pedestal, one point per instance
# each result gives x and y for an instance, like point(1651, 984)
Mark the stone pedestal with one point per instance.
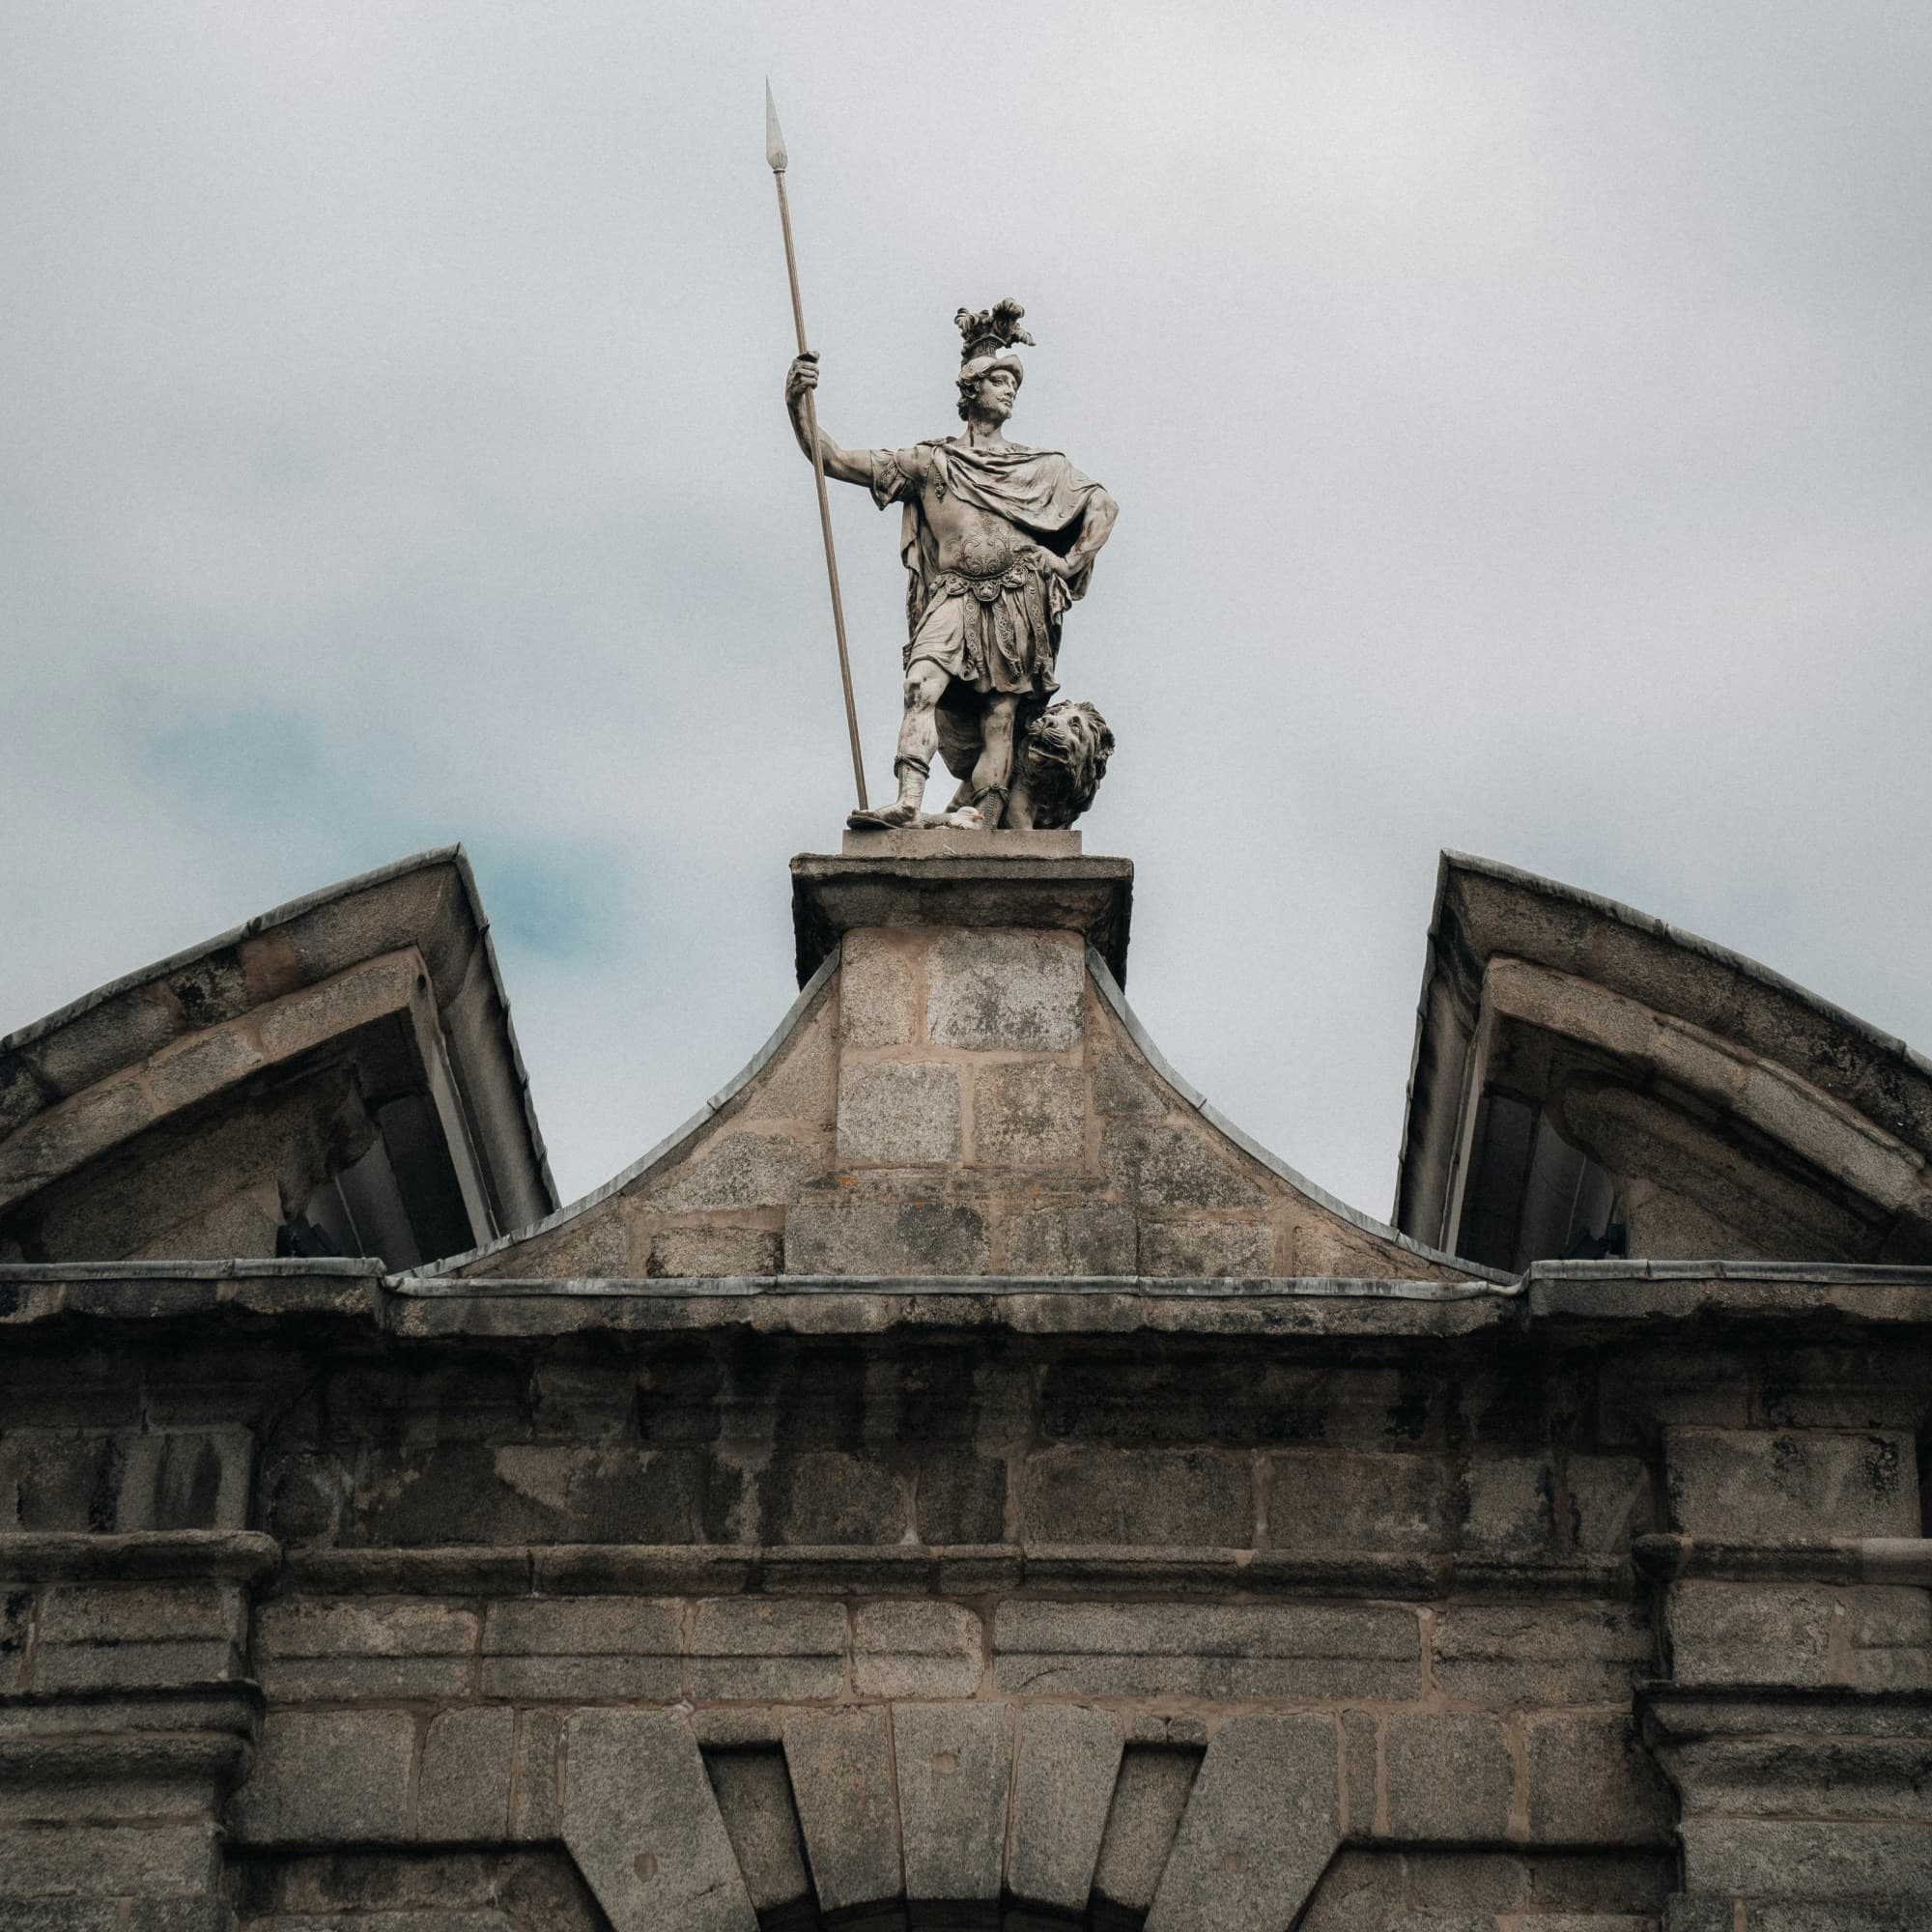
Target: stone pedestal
point(1037, 880)
point(953, 841)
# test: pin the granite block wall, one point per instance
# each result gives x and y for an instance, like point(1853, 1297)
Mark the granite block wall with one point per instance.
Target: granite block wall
point(328, 1604)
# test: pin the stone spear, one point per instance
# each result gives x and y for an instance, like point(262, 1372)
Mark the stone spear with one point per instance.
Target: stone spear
point(775, 154)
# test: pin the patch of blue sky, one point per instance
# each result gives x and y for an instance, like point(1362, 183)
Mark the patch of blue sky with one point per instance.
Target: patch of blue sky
point(331, 798)
point(557, 900)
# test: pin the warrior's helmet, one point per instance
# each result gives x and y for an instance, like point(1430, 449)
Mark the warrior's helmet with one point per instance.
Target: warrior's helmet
point(985, 340)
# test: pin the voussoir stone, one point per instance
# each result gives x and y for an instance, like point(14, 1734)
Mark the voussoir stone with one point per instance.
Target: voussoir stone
point(643, 1823)
point(1150, 1799)
point(841, 1779)
point(1260, 1828)
point(954, 1767)
point(754, 1799)
point(1069, 1762)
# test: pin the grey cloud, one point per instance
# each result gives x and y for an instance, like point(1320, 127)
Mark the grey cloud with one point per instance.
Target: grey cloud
point(1521, 418)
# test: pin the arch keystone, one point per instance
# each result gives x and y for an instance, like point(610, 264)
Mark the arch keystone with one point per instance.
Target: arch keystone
point(955, 1764)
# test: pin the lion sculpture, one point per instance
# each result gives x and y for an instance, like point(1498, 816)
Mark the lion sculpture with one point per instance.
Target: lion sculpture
point(1058, 767)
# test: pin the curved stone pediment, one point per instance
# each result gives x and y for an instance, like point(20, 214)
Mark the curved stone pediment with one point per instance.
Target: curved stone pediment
point(960, 1090)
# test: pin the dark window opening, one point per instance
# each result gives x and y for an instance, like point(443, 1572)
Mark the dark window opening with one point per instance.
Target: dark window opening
point(399, 1203)
point(1530, 1196)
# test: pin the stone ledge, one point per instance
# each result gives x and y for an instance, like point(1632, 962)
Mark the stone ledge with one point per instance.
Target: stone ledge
point(1583, 1298)
point(1845, 1559)
point(1675, 1294)
point(956, 841)
point(75, 1738)
point(41, 1292)
point(137, 1556)
point(785, 1304)
point(959, 1570)
point(1680, 1714)
point(233, 1708)
point(832, 895)
point(144, 1757)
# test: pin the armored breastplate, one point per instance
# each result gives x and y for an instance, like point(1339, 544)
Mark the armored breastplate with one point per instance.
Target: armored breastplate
point(987, 553)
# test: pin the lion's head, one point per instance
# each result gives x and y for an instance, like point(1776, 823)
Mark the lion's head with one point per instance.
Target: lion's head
point(1063, 757)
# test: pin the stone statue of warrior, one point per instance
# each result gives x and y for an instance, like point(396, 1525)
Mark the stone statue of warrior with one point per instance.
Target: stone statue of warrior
point(998, 540)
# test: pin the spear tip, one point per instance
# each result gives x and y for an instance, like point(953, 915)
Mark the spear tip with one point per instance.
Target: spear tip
point(775, 147)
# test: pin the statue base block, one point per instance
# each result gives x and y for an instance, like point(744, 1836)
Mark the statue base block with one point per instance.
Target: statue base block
point(926, 841)
point(963, 880)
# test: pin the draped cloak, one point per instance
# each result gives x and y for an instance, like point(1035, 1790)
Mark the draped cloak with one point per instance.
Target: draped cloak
point(997, 629)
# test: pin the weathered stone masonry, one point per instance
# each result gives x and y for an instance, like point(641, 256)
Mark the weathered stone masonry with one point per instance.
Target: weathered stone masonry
point(562, 1587)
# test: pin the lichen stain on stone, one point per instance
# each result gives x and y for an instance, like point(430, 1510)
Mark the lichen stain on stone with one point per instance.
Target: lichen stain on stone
point(1882, 1467)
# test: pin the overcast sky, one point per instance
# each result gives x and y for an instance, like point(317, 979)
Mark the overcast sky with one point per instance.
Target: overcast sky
point(1521, 418)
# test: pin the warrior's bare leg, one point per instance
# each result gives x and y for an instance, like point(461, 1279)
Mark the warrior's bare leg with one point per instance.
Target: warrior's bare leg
point(992, 775)
point(919, 739)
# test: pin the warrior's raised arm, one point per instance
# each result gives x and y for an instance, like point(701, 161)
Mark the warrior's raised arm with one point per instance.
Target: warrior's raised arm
point(849, 466)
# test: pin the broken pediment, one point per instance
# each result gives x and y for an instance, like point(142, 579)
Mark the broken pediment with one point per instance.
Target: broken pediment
point(1591, 1081)
point(336, 1077)
point(959, 1091)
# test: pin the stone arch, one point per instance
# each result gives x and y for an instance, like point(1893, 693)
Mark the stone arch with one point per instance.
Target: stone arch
point(967, 1809)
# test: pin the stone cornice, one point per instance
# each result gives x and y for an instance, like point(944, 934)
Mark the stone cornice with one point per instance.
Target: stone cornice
point(1557, 1298)
point(1084, 1571)
point(137, 1556)
point(1844, 1559)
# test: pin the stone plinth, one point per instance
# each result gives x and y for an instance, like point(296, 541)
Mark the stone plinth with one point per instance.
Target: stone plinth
point(970, 879)
point(953, 841)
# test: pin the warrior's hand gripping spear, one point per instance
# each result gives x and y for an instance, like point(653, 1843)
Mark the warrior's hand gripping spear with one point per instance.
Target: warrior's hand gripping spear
point(775, 154)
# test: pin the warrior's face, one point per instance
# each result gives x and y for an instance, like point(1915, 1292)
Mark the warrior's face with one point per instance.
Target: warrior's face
point(995, 393)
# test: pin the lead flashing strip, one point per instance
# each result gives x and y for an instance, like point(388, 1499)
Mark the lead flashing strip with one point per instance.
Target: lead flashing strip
point(1185, 1288)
